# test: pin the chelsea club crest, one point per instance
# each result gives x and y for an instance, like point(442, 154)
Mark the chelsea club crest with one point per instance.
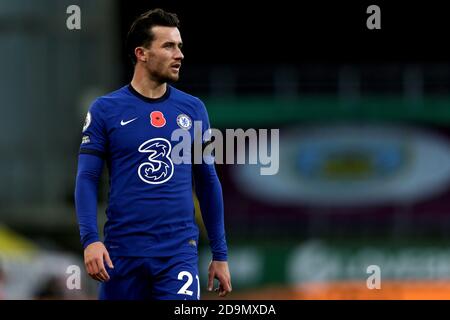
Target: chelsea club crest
point(184, 122)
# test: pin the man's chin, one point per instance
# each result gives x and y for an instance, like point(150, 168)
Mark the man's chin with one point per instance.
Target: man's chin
point(171, 78)
point(167, 77)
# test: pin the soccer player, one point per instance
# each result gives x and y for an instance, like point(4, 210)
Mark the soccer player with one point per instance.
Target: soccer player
point(150, 246)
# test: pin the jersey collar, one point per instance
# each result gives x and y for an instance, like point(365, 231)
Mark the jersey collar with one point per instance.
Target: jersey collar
point(147, 99)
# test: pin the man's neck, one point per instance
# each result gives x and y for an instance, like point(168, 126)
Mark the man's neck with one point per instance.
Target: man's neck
point(148, 87)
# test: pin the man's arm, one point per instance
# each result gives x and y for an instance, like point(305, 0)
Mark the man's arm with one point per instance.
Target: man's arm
point(209, 193)
point(86, 190)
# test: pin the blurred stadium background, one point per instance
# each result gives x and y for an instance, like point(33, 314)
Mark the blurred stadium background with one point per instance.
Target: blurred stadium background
point(364, 173)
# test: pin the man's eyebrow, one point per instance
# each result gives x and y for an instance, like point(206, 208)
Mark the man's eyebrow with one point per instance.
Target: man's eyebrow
point(180, 44)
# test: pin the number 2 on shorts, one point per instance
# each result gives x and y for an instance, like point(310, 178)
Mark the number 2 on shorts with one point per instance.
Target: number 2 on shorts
point(184, 288)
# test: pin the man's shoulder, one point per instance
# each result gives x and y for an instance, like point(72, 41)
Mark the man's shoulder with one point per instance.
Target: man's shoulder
point(107, 106)
point(182, 95)
point(110, 99)
point(121, 93)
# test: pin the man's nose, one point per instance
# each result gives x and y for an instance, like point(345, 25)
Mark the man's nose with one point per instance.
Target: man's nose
point(179, 55)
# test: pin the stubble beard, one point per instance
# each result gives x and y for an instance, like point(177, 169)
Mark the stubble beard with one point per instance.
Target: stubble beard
point(163, 78)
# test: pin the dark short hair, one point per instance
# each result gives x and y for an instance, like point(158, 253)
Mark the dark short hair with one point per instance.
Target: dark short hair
point(140, 33)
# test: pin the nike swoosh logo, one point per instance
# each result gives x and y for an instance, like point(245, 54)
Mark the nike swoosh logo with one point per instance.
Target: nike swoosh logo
point(124, 123)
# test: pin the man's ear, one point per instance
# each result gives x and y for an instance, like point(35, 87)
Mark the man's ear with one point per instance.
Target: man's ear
point(140, 54)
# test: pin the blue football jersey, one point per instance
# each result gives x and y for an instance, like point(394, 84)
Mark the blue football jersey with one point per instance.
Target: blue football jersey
point(150, 208)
